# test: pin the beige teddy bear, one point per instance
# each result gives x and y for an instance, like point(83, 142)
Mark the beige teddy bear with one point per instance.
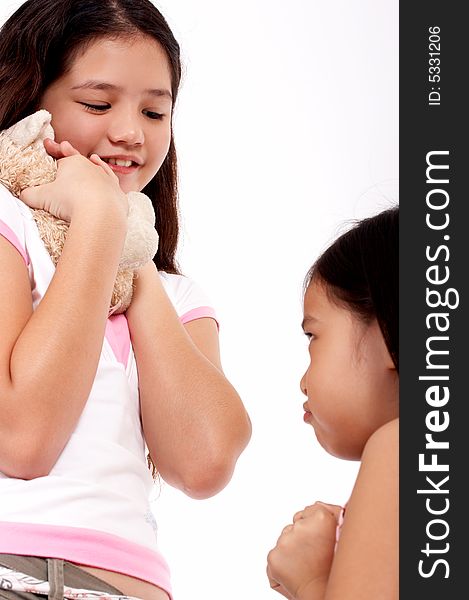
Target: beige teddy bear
point(24, 162)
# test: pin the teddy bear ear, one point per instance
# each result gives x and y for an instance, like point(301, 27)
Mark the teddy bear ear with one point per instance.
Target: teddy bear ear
point(32, 130)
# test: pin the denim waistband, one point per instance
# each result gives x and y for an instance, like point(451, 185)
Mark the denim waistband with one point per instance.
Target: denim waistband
point(58, 573)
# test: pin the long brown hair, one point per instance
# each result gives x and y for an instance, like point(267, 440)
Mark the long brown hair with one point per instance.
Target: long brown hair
point(38, 44)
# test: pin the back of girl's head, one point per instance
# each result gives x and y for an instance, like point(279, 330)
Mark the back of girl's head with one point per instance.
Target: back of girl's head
point(38, 44)
point(360, 272)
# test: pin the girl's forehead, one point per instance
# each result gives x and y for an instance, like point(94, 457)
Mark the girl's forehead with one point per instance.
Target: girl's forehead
point(138, 48)
point(138, 63)
point(316, 298)
point(319, 306)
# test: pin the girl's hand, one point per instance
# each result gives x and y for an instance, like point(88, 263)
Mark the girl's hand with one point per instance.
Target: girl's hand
point(57, 150)
point(301, 561)
point(81, 184)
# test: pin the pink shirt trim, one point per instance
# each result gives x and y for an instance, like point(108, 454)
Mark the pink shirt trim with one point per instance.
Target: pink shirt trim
point(86, 547)
point(11, 236)
point(118, 336)
point(198, 313)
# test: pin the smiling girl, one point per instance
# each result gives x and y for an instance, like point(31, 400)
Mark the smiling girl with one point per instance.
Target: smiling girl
point(352, 390)
point(83, 396)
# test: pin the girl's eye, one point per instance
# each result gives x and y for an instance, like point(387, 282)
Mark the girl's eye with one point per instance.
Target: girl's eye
point(310, 336)
point(153, 115)
point(95, 107)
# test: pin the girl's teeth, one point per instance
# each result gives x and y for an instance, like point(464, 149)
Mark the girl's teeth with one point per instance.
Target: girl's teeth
point(118, 162)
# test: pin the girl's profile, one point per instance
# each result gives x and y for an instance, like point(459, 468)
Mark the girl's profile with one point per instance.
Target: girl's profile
point(352, 402)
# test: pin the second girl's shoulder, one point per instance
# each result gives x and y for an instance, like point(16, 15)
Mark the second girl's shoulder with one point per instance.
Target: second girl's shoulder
point(383, 440)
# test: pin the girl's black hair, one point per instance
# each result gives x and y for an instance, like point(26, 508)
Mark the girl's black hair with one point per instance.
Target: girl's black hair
point(360, 271)
point(38, 44)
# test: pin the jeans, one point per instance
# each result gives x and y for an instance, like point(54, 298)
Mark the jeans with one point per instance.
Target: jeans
point(54, 570)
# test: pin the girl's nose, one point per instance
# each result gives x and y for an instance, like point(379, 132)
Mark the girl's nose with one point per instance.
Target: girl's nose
point(126, 130)
point(303, 385)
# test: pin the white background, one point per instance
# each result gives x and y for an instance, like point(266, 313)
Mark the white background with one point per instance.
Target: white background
point(286, 128)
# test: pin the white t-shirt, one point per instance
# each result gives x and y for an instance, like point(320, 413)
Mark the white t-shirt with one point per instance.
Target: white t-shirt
point(93, 507)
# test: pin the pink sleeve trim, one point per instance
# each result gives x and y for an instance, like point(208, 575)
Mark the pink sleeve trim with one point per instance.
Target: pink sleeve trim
point(86, 547)
point(11, 236)
point(199, 313)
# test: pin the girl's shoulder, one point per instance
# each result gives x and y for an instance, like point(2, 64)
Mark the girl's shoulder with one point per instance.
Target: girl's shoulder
point(13, 215)
point(9, 204)
point(187, 296)
point(383, 440)
point(179, 285)
point(379, 469)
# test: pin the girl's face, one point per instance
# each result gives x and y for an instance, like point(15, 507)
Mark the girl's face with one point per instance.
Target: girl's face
point(115, 101)
point(351, 382)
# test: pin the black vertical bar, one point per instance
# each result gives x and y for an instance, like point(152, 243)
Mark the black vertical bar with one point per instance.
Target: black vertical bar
point(434, 252)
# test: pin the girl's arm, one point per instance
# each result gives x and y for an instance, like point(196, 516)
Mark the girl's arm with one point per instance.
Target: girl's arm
point(48, 357)
point(194, 422)
point(366, 562)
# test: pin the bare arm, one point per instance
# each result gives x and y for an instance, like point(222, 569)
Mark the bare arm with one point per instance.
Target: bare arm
point(194, 422)
point(48, 358)
point(366, 562)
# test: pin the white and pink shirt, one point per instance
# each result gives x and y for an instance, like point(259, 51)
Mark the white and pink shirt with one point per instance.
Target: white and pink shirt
point(93, 507)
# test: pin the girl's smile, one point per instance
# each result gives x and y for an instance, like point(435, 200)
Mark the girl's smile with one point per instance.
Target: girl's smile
point(123, 164)
point(115, 101)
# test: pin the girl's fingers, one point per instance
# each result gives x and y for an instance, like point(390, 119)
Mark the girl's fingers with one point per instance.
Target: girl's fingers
point(332, 508)
point(59, 151)
point(68, 149)
point(37, 197)
point(95, 159)
point(65, 149)
point(308, 511)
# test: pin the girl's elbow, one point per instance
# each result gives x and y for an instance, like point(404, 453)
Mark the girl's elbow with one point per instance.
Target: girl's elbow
point(207, 481)
point(213, 473)
point(30, 458)
point(25, 464)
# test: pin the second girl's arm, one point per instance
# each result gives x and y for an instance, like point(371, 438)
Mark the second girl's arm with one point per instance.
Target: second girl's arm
point(194, 422)
point(49, 357)
point(366, 562)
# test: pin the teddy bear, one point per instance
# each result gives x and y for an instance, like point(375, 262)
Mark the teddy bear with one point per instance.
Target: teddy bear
point(24, 162)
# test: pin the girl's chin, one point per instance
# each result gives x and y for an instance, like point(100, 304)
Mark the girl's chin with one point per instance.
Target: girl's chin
point(130, 188)
point(322, 441)
point(128, 184)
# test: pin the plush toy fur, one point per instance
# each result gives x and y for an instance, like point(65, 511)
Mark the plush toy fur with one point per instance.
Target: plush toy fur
point(24, 162)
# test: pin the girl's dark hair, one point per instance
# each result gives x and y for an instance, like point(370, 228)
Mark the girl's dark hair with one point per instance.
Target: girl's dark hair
point(360, 271)
point(38, 44)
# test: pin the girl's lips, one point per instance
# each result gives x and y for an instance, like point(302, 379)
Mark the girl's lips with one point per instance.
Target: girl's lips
point(131, 163)
point(124, 170)
point(307, 416)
